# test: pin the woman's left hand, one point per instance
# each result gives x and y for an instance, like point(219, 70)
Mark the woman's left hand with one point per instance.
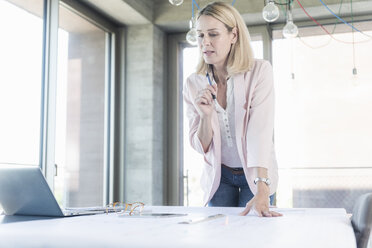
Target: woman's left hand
point(260, 204)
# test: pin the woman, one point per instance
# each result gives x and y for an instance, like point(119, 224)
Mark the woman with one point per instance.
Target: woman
point(230, 107)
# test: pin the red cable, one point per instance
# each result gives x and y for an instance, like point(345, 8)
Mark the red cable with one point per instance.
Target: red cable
point(320, 25)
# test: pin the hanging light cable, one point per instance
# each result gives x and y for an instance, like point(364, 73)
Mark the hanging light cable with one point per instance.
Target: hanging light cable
point(352, 30)
point(330, 38)
point(292, 60)
point(192, 35)
point(343, 19)
point(325, 30)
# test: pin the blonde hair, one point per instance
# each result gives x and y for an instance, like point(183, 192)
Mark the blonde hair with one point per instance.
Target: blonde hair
point(240, 58)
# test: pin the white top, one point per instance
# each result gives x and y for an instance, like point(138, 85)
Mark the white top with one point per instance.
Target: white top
point(305, 228)
point(226, 118)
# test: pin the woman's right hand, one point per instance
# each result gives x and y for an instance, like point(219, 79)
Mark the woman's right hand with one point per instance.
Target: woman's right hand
point(204, 101)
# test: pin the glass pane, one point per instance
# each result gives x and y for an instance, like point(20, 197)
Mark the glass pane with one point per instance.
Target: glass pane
point(257, 47)
point(323, 122)
point(21, 25)
point(80, 111)
point(192, 160)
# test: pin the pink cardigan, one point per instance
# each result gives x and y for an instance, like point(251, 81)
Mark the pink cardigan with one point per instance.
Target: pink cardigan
point(254, 125)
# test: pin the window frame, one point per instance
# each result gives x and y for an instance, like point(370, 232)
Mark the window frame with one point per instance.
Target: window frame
point(113, 138)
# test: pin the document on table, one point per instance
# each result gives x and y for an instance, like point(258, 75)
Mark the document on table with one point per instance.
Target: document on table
point(202, 219)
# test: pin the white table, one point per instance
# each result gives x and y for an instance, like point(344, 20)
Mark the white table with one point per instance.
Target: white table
point(306, 228)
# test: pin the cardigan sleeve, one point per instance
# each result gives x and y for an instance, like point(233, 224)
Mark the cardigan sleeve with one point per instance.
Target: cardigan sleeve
point(261, 119)
point(193, 117)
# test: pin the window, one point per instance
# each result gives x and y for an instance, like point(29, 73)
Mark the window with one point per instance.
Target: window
point(323, 123)
point(80, 114)
point(21, 25)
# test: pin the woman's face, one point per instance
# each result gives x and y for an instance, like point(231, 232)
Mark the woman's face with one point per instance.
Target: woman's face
point(214, 40)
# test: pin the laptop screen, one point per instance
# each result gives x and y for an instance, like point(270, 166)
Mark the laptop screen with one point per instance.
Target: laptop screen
point(24, 191)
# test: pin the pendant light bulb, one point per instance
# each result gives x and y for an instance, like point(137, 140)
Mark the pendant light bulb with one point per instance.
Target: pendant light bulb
point(270, 12)
point(176, 2)
point(290, 30)
point(192, 37)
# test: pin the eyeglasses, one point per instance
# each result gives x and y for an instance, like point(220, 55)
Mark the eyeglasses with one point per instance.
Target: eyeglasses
point(125, 208)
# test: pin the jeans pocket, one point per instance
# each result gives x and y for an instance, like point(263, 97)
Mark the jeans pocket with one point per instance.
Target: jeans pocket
point(226, 176)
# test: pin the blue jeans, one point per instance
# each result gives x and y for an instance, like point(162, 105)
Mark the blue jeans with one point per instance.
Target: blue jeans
point(233, 190)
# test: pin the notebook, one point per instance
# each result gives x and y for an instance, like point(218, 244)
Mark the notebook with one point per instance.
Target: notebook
point(24, 191)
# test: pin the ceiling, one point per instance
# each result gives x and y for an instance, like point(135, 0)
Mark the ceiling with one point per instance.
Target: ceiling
point(176, 18)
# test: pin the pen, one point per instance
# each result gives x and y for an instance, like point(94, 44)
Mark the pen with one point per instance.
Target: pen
point(210, 83)
point(195, 221)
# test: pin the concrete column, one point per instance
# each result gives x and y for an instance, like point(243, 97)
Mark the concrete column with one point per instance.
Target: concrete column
point(144, 131)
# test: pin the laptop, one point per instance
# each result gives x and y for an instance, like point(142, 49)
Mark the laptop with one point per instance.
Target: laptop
point(24, 191)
